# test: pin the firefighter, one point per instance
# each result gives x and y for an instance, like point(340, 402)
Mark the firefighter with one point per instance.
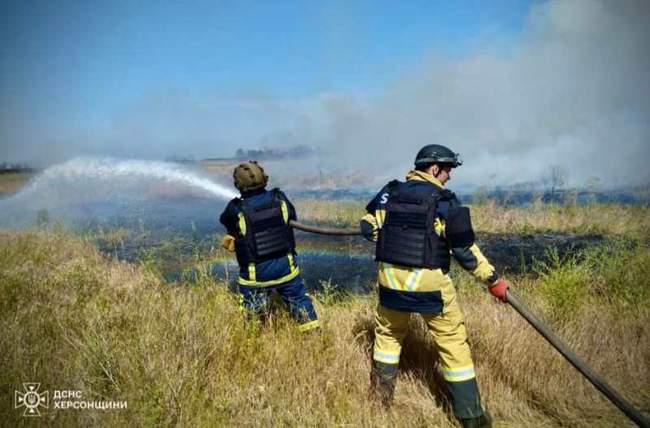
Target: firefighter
point(258, 231)
point(417, 225)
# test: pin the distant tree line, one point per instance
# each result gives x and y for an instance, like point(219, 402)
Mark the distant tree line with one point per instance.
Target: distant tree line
point(6, 167)
point(300, 151)
point(179, 159)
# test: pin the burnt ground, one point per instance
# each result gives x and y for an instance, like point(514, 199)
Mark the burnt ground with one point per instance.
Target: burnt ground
point(339, 260)
point(517, 253)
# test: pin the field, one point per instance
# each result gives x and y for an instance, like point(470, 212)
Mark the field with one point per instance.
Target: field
point(608, 219)
point(182, 354)
point(11, 182)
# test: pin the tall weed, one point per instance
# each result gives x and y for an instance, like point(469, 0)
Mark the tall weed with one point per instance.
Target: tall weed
point(184, 355)
point(616, 272)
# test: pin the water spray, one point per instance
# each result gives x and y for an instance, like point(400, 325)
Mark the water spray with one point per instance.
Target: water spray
point(105, 169)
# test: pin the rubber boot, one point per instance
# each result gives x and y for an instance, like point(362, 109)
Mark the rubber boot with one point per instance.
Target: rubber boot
point(483, 421)
point(382, 382)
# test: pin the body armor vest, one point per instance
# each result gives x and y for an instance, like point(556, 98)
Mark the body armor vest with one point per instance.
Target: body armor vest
point(407, 237)
point(267, 236)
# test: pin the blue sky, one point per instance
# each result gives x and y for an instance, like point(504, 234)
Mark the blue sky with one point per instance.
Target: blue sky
point(80, 60)
point(516, 87)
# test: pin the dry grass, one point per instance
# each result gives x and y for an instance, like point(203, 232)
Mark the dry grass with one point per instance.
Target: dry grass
point(184, 355)
point(12, 182)
point(346, 212)
point(608, 219)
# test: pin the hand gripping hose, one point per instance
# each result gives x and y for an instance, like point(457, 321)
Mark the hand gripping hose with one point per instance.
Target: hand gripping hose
point(538, 325)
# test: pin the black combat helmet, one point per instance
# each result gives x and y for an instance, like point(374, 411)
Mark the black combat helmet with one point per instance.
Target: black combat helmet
point(435, 153)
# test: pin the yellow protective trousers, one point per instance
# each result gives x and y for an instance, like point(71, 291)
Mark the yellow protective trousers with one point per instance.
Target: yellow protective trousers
point(449, 333)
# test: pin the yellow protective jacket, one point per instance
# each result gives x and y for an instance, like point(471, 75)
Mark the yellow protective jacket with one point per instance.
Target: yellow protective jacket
point(410, 284)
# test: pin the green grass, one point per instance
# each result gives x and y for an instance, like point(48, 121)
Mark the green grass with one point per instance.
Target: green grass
point(616, 273)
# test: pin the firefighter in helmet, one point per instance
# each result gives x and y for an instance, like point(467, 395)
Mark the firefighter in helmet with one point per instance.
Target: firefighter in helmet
point(417, 225)
point(258, 231)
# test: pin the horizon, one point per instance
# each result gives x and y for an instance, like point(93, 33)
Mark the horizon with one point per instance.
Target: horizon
point(517, 87)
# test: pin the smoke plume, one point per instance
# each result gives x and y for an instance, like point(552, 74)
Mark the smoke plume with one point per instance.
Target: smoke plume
point(571, 94)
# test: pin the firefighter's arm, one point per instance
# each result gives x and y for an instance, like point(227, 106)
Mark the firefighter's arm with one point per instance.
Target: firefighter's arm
point(375, 215)
point(460, 234)
point(228, 219)
point(369, 228)
point(472, 259)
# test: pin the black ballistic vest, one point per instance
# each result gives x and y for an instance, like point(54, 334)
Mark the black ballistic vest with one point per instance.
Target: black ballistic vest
point(407, 237)
point(267, 235)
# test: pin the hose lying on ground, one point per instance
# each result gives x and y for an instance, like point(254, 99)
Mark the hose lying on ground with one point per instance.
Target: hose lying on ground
point(542, 329)
point(576, 362)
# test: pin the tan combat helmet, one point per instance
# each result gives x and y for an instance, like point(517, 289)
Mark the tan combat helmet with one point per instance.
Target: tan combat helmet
point(249, 176)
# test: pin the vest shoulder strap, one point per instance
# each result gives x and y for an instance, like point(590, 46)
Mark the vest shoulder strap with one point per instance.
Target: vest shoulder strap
point(393, 186)
point(446, 200)
point(239, 204)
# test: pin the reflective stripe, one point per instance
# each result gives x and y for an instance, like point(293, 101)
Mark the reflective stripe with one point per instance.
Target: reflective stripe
point(380, 214)
point(309, 325)
point(459, 375)
point(438, 226)
point(242, 224)
point(387, 270)
point(292, 266)
point(386, 357)
point(252, 273)
point(252, 283)
point(285, 212)
point(413, 279)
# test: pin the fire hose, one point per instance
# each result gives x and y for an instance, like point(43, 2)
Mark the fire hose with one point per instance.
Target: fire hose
point(324, 230)
point(515, 302)
point(576, 362)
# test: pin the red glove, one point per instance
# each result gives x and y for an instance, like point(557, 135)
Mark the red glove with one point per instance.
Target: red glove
point(499, 288)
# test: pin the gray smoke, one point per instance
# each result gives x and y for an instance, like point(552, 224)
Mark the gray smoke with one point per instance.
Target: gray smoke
point(572, 95)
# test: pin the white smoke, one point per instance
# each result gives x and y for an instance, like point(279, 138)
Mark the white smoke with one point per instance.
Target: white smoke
point(573, 93)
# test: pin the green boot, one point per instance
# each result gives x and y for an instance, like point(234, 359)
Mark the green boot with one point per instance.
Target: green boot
point(483, 421)
point(382, 382)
